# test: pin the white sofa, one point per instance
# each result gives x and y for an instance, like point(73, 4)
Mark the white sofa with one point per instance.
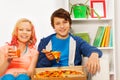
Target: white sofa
point(104, 71)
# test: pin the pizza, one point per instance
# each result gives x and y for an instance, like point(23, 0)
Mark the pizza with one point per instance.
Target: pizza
point(58, 73)
point(56, 54)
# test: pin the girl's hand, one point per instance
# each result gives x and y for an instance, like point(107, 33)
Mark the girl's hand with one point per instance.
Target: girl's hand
point(11, 54)
point(17, 73)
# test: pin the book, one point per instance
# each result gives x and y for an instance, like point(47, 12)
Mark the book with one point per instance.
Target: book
point(99, 36)
point(84, 36)
point(104, 37)
point(111, 39)
point(107, 37)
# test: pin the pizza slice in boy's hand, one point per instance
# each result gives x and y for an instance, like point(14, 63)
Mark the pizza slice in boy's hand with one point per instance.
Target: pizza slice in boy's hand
point(56, 54)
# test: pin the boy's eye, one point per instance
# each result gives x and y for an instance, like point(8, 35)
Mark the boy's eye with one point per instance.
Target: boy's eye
point(65, 22)
point(60, 23)
point(57, 23)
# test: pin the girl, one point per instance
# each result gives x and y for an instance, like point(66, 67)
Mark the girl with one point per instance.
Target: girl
point(20, 67)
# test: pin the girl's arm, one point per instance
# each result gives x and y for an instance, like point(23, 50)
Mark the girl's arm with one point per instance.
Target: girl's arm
point(4, 63)
point(32, 66)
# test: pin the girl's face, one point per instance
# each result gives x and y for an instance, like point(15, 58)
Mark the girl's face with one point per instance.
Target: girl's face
point(61, 27)
point(24, 32)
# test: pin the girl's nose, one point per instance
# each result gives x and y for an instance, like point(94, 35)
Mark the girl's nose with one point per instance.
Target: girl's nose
point(24, 31)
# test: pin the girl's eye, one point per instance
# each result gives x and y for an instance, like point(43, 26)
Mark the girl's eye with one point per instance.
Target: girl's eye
point(20, 29)
point(24, 30)
point(28, 30)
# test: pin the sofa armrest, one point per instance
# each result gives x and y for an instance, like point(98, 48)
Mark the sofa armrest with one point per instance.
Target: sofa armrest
point(104, 69)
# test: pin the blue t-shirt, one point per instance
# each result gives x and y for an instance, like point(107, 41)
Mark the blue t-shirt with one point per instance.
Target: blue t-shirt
point(61, 45)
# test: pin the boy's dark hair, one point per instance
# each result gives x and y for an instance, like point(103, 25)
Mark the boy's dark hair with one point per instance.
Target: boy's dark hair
point(61, 13)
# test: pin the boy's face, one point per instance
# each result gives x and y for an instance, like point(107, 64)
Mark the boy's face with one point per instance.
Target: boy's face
point(61, 27)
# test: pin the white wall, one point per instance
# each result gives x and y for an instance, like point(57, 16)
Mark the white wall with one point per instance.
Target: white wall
point(38, 11)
